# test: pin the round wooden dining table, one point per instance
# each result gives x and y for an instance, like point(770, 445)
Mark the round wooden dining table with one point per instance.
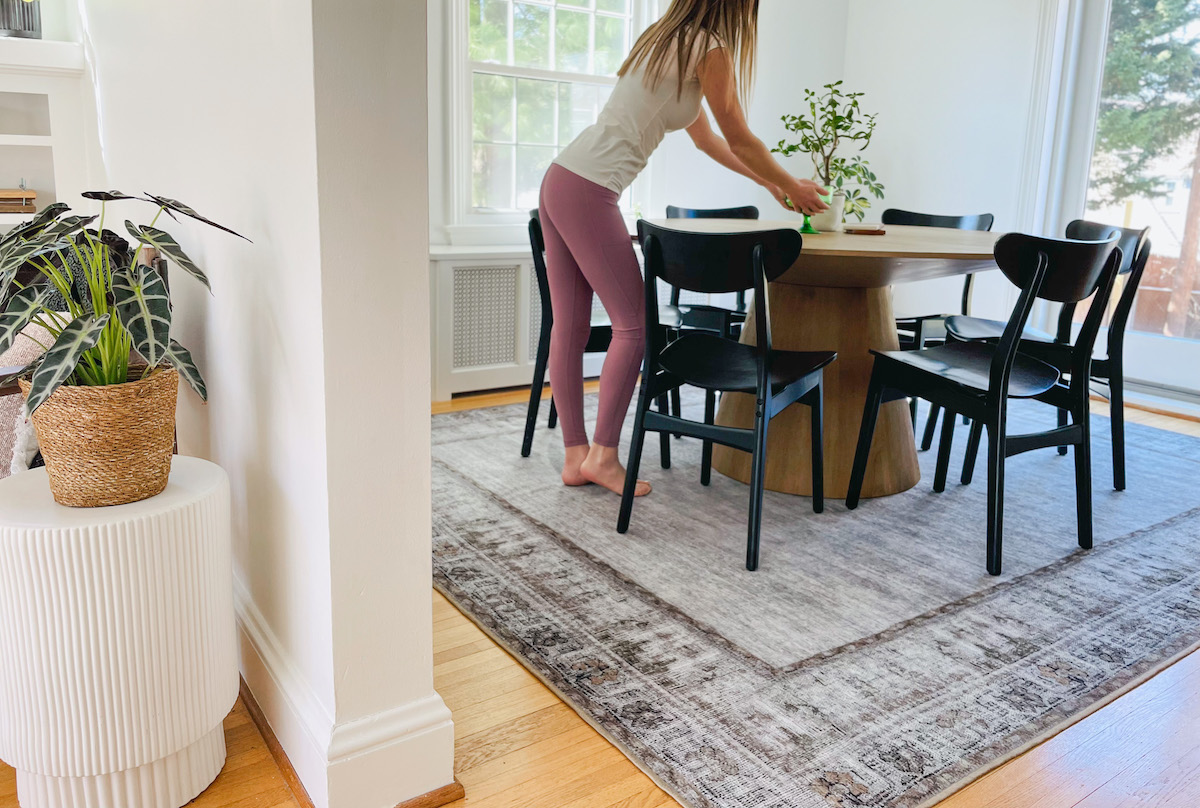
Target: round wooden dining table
point(838, 297)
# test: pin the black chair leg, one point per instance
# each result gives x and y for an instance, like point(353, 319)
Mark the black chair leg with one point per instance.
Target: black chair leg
point(664, 438)
point(930, 426)
point(758, 471)
point(912, 411)
point(710, 415)
point(1083, 477)
point(866, 434)
point(635, 462)
point(995, 514)
point(1062, 421)
point(1116, 403)
point(818, 449)
point(676, 405)
point(535, 395)
point(944, 446)
point(968, 469)
point(553, 422)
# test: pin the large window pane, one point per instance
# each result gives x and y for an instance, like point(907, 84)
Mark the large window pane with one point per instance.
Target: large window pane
point(535, 112)
point(531, 35)
point(571, 41)
point(578, 106)
point(1147, 155)
point(492, 98)
point(492, 172)
point(532, 162)
point(489, 30)
point(610, 45)
point(619, 6)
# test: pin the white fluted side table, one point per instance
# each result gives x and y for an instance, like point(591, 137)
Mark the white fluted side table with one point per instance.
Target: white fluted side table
point(118, 659)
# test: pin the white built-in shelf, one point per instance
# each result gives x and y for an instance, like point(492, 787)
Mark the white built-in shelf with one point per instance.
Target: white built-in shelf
point(10, 219)
point(40, 56)
point(26, 140)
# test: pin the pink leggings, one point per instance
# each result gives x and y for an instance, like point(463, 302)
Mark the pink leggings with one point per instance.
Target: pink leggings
point(588, 250)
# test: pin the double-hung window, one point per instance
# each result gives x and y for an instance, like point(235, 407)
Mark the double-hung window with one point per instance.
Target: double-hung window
point(539, 72)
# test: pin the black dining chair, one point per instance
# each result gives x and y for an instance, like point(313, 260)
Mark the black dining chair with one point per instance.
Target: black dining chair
point(703, 316)
point(722, 263)
point(1058, 349)
point(598, 341)
point(927, 330)
point(976, 379)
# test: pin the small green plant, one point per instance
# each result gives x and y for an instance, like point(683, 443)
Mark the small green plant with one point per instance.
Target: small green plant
point(835, 120)
point(87, 288)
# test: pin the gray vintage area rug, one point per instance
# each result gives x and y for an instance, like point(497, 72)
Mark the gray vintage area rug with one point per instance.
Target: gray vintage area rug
point(870, 661)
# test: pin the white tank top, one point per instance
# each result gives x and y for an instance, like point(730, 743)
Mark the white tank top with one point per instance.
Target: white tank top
point(614, 150)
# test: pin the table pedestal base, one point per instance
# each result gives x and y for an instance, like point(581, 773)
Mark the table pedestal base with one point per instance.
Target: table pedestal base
point(850, 321)
point(167, 783)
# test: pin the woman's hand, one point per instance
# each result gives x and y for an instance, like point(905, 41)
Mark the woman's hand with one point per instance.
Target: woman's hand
point(804, 196)
point(779, 195)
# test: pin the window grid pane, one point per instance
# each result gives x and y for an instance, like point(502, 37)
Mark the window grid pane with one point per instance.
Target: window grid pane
point(520, 123)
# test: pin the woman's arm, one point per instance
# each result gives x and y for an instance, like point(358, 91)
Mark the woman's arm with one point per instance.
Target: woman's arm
point(719, 85)
point(717, 148)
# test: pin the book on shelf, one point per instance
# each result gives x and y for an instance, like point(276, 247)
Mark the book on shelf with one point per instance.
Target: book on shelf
point(18, 200)
point(6, 207)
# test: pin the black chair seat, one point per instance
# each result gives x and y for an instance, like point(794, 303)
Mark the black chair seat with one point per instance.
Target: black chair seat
point(969, 329)
point(712, 363)
point(969, 365)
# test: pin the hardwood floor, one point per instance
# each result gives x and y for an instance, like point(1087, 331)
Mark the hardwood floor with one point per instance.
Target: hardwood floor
point(518, 746)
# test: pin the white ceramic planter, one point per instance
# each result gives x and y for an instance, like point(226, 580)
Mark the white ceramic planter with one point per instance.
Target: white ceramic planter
point(118, 658)
point(830, 221)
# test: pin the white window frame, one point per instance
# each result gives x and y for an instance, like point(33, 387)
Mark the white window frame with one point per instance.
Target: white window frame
point(466, 226)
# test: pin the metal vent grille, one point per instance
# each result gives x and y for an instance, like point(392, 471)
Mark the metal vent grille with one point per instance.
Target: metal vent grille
point(485, 316)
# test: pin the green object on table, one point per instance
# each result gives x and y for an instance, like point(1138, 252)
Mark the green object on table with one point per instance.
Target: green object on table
point(808, 229)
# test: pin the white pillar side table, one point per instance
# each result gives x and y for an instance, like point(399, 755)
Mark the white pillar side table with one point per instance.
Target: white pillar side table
point(118, 658)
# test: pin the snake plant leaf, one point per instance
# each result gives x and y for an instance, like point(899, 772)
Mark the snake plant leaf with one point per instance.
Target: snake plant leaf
point(166, 244)
point(143, 307)
point(108, 196)
point(179, 207)
point(21, 309)
point(80, 335)
point(180, 358)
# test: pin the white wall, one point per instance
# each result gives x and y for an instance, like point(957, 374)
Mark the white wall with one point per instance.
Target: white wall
point(331, 541)
point(954, 86)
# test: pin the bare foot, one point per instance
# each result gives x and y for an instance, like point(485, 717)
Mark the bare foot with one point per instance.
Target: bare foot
point(603, 468)
point(575, 456)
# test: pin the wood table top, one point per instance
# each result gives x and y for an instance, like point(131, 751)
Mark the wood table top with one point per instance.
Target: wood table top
point(902, 254)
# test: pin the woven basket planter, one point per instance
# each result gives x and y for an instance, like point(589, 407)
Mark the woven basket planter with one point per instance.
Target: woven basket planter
point(108, 445)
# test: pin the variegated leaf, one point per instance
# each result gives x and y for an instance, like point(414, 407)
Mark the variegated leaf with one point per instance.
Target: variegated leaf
point(63, 357)
point(107, 196)
point(165, 243)
point(144, 308)
point(180, 358)
point(35, 225)
point(173, 205)
point(11, 376)
point(13, 256)
point(68, 225)
point(21, 309)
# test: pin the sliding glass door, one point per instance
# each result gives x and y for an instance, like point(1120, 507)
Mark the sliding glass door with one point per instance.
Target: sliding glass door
point(1145, 170)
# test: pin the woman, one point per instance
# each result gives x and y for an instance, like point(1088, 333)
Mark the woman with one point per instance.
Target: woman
point(691, 51)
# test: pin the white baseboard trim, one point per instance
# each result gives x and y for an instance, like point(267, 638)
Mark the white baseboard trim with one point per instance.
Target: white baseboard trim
point(377, 761)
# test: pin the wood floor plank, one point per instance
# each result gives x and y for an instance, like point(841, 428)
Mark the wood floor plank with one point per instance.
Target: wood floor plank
point(472, 751)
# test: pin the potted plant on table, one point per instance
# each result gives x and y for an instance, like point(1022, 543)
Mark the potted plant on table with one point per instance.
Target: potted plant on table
point(102, 396)
point(834, 121)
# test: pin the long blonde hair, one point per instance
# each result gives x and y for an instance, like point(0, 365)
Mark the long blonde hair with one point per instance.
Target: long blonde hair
point(733, 22)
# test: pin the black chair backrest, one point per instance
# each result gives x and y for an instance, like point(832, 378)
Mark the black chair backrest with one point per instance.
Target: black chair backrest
point(1135, 253)
point(744, 212)
point(1063, 270)
point(717, 263)
point(537, 245)
point(983, 221)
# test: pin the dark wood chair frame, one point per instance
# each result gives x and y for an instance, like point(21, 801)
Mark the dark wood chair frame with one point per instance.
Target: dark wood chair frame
point(1056, 270)
point(685, 260)
point(598, 342)
point(1108, 370)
